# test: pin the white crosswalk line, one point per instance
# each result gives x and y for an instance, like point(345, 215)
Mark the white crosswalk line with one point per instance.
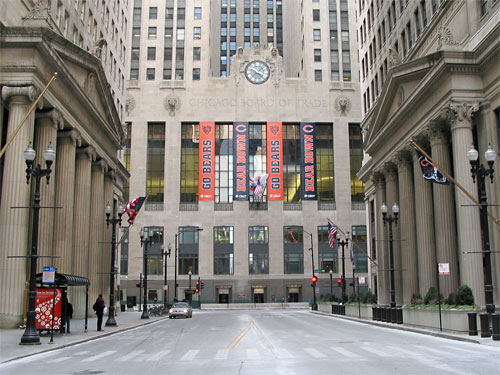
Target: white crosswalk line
point(189, 355)
point(314, 353)
point(99, 356)
point(82, 352)
point(375, 351)
point(221, 354)
point(158, 356)
point(345, 352)
point(434, 351)
point(60, 359)
point(252, 353)
point(284, 354)
point(130, 355)
point(409, 353)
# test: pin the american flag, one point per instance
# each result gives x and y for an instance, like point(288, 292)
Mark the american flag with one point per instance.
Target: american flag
point(351, 252)
point(258, 184)
point(133, 208)
point(332, 231)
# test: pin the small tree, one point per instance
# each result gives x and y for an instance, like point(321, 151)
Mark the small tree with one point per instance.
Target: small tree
point(431, 298)
point(416, 299)
point(464, 296)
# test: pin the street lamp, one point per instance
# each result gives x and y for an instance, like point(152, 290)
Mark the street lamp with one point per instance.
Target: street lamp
point(113, 221)
point(331, 283)
point(190, 295)
point(479, 171)
point(185, 229)
point(146, 239)
point(343, 243)
point(165, 286)
point(30, 336)
point(391, 219)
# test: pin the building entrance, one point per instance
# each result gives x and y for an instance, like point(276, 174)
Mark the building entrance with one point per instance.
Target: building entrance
point(223, 295)
point(258, 295)
point(293, 294)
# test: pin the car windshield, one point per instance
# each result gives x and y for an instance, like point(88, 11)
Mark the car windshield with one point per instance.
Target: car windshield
point(183, 304)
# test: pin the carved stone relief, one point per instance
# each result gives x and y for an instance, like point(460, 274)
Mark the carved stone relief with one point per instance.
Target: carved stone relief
point(172, 103)
point(342, 104)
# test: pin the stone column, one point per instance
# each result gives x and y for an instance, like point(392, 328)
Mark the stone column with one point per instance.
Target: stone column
point(47, 124)
point(65, 186)
point(14, 223)
point(444, 214)
point(97, 217)
point(426, 248)
point(468, 224)
point(382, 248)
point(81, 223)
point(407, 226)
point(106, 254)
point(392, 196)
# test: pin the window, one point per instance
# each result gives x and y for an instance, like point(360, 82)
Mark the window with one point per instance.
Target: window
point(317, 54)
point(153, 13)
point(293, 250)
point(328, 256)
point(317, 34)
point(325, 180)
point(257, 160)
point(291, 163)
point(150, 74)
point(169, 13)
point(197, 13)
point(356, 158)
point(359, 235)
point(155, 161)
point(318, 75)
point(258, 252)
point(180, 34)
point(154, 256)
point(197, 33)
point(151, 53)
point(152, 33)
point(223, 250)
point(134, 74)
point(124, 253)
point(181, 13)
point(189, 163)
point(224, 163)
point(315, 14)
point(188, 250)
point(196, 53)
point(196, 74)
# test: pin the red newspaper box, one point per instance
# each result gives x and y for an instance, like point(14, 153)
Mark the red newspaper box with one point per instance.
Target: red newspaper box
point(43, 308)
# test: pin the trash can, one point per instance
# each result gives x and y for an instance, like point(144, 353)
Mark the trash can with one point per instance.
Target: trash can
point(472, 318)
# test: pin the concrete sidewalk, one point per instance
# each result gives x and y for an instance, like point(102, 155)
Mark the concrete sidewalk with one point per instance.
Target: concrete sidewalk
point(10, 338)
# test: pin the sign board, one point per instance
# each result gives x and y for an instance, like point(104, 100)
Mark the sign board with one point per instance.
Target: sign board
point(361, 280)
point(319, 271)
point(316, 290)
point(165, 287)
point(43, 309)
point(444, 268)
point(49, 275)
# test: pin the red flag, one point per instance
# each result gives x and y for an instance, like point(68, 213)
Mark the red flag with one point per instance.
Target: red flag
point(133, 208)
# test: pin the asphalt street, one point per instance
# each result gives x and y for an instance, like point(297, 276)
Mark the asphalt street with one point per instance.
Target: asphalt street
point(263, 342)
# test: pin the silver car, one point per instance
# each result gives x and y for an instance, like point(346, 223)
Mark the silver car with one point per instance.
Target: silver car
point(180, 309)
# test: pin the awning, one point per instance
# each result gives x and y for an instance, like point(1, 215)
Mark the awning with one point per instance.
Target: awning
point(62, 279)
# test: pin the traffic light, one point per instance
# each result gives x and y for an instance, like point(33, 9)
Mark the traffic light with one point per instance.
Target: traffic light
point(314, 281)
point(339, 282)
point(197, 290)
point(202, 285)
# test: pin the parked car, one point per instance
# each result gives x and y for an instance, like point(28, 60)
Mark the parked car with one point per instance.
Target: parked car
point(180, 309)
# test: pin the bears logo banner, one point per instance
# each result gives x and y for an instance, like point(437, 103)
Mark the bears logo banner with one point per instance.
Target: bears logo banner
point(275, 161)
point(308, 161)
point(206, 161)
point(240, 161)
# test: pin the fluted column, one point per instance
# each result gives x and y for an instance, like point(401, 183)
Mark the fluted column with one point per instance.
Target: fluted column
point(468, 224)
point(81, 223)
point(47, 124)
point(96, 227)
point(407, 226)
point(106, 258)
point(382, 246)
point(426, 248)
point(444, 214)
point(14, 223)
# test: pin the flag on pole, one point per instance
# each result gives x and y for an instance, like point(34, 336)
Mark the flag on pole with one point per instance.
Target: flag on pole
point(351, 252)
point(258, 184)
point(332, 232)
point(430, 171)
point(133, 208)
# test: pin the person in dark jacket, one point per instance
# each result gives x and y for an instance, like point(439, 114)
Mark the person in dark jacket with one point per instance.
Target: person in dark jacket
point(98, 307)
point(69, 316)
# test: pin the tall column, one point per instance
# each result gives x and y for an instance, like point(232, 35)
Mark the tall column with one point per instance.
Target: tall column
point(14, 223)
point(468, 223)
point(106, 255)
point(81, 223)
point(96, 227)
point(382, 246)
point(426, 248)
point(392, 196)
point(47, 124)
point(444, 214)
point(407, 226)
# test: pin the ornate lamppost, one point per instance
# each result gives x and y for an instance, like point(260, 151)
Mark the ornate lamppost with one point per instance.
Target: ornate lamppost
point(391, 219)
point(146, 240)
point(331, 283)
point(113, 221)
point(165, 285)
point(343, 243)
point(30, 336)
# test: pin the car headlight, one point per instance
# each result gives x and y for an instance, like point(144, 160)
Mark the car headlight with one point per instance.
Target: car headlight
point(185, 310)
point(171, 311)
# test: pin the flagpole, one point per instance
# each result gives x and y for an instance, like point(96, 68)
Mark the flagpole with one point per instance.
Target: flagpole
point(352, 241)
point(476, 202)
point(128, 228)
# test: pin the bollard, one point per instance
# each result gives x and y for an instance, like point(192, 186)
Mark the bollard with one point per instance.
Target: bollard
point(374, 312)
point(393, 315)
point(383, 314)
point(485, 324)
point(496, 326)
point(399, 315)
point(472, 318)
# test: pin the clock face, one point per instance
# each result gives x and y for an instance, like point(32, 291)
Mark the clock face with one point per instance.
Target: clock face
point(257, 72)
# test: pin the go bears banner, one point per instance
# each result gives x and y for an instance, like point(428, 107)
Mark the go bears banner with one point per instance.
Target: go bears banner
point(206, 161)
point(275, 161)
point(308, 161)
point(240, 161)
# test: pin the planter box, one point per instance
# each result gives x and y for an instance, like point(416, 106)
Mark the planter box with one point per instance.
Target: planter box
point(452, 320)
point(354, 310)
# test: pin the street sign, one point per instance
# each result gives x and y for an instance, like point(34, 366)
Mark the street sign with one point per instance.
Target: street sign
point(316, 290)
point(48, 275)
point(165, 287)
point(361, 280)
point(319, 271)
point(444, 268)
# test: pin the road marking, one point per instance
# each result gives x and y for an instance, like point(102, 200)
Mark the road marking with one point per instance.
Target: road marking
point(158, 356)
point(221, 354)
point(60, 359)
point(409, 353)
point(99, 356)
point(252, 353)
point(82, 352)
point(284, 354)
point(434, 351)
point(314, 353)
point(375, 351)
point(345, 352)
point(130, 355)
point(189, 355)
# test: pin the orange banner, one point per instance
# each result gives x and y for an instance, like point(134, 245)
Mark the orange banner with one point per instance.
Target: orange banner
point(275, 161)
point(206, 161)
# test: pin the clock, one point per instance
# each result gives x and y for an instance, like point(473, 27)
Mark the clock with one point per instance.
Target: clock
point(257, 72)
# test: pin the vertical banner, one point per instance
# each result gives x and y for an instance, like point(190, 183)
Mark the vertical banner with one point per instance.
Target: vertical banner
point(206, 161)
point(240, 161)
point(308, 161)
point(275, 161)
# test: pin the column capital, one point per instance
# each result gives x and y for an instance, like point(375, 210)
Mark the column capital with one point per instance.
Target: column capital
point(438, 135)
point(30, 92)
point(73, 136)
point(377, 178)
point(460, 114)
point(86, 152)
point(54, 117)
point(403, 159)
point(390, 170)
point(111, 173)
point(102, 165)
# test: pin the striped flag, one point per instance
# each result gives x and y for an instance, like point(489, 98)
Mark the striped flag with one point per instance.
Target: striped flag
point(332, 232)
point(351, 252)
point(258, 184)
point(133, 208)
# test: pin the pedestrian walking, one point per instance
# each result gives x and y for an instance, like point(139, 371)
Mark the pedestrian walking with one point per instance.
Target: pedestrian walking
point(98, 307)
point(69, 315)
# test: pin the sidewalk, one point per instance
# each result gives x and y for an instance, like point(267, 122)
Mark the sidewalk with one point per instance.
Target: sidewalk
point(10, 338)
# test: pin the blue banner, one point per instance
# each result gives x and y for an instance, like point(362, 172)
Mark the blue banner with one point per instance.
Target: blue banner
point(240, 161)
point(308, 161)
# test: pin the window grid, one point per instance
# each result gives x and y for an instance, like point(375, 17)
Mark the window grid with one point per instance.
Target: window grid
point(224, 163)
